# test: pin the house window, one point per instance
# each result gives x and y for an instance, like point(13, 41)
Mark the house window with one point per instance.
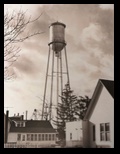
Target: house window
point(23, 138)
point(39, 137)
point(70, 136)
point(20, 124)
point(105, 132)
point(93, 132)
point(46, 137)
point(28, 137)
point(35, 137)
point(49, 137)
point(42, 137)
point(31, 137)
point(53, 137)
point(19, 137)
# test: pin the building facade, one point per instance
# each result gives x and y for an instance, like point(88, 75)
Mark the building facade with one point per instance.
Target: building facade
point(30, 133)
point(74, 134)
point(98, 123)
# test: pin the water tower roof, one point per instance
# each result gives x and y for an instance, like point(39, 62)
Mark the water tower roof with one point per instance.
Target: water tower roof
point(58, 23)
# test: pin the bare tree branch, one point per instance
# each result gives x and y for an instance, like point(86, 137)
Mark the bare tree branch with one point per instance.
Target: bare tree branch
point(15, 25)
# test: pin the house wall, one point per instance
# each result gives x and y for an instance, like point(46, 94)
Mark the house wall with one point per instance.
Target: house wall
point(86, 137)
point(74, 128)
point(103, 113)
point(12, 138)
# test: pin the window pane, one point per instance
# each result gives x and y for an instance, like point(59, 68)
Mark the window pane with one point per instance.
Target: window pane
point(46, 137)
point(70, 136)
point(42, 137)
point(19, 137)
point(107, 136)
point(21, 124)
point(53, 137)
point(101, 127)
point(102, 136)
point(107, 127)
point(18, 125)
point(31, 137)
point(35, 137)
point(23, 137)
point(49, 136)
point(93, 132)
point(39, 137)
point(28, 137)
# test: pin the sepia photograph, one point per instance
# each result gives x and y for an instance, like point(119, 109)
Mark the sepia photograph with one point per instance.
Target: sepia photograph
point(58, 75)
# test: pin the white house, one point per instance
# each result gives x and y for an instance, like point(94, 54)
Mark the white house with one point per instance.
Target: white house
point(98, 123)
point(74, 134)
point(30, 133)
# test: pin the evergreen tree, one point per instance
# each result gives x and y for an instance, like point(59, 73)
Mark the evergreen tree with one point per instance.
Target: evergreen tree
point(82, 106)
point(65, 110)
point(71, 108)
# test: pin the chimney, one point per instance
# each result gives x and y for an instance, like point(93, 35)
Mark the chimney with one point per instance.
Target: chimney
point(6, 126)
point(18, 115)
point(22, 116)
point(26, 114)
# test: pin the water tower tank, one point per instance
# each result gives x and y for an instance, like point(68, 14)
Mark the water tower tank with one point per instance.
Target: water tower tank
point(57, 36)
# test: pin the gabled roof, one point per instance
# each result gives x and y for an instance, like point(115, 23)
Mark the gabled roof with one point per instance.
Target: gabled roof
point(109, 85)
point(33, 126)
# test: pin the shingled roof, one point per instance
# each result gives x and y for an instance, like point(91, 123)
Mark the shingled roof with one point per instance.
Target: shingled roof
point(33, 126)
point(109, 85)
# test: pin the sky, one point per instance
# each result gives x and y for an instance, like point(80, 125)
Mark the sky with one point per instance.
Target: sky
point(89, 34)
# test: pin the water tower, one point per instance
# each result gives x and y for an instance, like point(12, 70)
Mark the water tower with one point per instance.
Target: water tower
point(58, 73)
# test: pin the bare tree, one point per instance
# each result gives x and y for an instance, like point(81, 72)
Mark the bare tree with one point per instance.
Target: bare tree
point(15, 25)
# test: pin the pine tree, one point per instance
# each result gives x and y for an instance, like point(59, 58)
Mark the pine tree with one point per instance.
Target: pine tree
point(65, 110)
point(82, 106)
point(71, 108)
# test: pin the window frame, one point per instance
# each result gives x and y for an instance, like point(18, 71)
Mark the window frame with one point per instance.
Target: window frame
point(28, 137)
point(53, 137)
point(70, 136)
point(94, 133)
point(103, 136)
point(23, 137)
point(43, 137)
point(50, 137)
point(19, 137)
point(39, 137)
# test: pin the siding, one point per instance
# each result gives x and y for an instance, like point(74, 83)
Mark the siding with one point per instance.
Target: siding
point(12, 137)
point(75, 128)
point(104, 113)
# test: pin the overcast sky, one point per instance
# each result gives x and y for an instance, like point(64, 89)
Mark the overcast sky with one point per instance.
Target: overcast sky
point(89, 35)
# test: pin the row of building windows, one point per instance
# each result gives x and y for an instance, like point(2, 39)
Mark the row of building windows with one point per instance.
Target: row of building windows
point(36, 137)
point(20, 124)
